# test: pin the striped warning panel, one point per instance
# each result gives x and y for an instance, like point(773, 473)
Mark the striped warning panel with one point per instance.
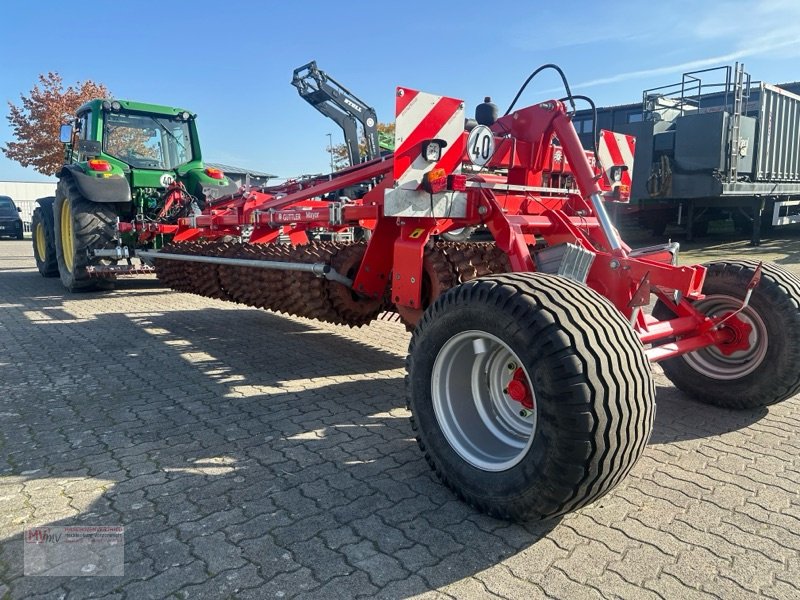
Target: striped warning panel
point(419, 117)
point(616, 150)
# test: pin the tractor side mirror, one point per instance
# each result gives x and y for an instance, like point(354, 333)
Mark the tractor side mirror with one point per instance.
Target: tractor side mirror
point(66, 134)
point(19, 209)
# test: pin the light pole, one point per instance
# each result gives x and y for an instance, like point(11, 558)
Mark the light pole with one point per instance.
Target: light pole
point(330, 148)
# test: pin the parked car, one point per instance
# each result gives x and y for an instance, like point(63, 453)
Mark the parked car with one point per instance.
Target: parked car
point(10, 221)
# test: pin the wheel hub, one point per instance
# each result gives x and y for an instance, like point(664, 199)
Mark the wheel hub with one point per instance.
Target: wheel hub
point(67, 243)
point(742, 345)
point(483, 400)
point(518, 389)
point(41, 243)
point(738, 335)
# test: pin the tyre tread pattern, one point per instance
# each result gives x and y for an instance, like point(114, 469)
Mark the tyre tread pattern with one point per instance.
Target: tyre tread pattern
point(93, 227)
point(613, 420)
point(47, 264)
point(781, 289)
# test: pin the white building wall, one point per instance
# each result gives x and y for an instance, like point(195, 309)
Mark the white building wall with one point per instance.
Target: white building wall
point(24, 195)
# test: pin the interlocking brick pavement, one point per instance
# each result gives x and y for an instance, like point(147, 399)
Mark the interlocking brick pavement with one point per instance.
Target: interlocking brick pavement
point(250, 455)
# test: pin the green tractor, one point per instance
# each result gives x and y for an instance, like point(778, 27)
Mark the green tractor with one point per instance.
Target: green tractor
point(124, 162)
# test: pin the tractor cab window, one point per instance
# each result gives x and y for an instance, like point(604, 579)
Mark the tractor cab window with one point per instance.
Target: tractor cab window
point(83, 130)
point(83, 124)
point(147, 142)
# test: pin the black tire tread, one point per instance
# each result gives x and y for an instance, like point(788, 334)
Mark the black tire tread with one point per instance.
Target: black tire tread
point(613, 365)
point(781, 289)
point(93, 227)
point(47, 265)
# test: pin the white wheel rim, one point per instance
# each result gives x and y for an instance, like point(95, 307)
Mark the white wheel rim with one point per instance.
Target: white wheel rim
point(483, 424)
point(711, 361)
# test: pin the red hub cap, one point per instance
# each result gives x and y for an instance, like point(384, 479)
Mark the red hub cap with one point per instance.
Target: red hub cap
point(735, 335)
point(519, 390)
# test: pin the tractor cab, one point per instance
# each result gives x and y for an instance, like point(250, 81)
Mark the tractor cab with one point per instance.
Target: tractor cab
point(137, 152)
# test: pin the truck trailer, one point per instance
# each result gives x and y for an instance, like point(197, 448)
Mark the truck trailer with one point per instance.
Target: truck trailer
point(714, 146)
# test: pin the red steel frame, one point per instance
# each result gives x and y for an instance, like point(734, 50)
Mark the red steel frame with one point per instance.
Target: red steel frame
point(515, 215)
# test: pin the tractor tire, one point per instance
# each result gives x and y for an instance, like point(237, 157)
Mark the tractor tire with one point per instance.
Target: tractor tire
point(44, 244)
point(580, 413)
point(80, 226)
point(763, 374)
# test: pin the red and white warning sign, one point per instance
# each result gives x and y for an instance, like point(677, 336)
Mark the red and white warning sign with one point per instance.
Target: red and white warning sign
point(615, 152)
point(423, 119)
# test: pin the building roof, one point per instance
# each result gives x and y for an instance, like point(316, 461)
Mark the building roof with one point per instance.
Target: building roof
point(231, 170)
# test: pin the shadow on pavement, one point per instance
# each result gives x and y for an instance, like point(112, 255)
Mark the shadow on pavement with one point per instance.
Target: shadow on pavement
point(241, 451)
point(246, 454)
point(679, 418)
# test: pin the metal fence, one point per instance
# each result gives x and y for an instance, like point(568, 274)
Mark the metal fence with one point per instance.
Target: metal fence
point(778, 151)
point(27, 207)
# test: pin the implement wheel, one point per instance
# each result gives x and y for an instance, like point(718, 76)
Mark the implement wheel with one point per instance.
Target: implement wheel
point(762, 368)
point(80, 226)
point(530, 394)
point(462, 234)
point(44, 245)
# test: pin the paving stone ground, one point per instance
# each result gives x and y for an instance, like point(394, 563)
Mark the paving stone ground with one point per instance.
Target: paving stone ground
point(249, 455)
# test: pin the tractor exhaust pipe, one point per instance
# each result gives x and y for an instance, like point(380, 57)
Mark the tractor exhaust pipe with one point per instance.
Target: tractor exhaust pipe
point(317, 269)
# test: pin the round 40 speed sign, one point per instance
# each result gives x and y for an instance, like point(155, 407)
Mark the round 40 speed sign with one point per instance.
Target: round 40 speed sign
point(480, 145)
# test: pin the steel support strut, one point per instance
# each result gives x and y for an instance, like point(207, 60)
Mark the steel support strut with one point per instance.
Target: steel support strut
point(587, 180)
point(318, 269)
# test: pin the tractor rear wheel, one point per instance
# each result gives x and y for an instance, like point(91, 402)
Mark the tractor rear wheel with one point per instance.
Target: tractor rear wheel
point(80, 226)
point(764, 370)
point(530, 394)
point(44, 245)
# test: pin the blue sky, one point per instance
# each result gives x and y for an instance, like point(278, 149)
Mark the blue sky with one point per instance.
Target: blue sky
point(231, 62)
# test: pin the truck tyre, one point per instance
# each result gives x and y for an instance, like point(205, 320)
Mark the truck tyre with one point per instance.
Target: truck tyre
point(44, 245)
point(80, 226)
point(530, 394)
point(764, 373)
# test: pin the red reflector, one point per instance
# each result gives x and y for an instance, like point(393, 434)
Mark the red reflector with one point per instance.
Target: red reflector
point(214, 173)
point(96, 164)
point(457, 183)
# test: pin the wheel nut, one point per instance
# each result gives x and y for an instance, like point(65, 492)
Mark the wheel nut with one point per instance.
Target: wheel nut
point(511, 366)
